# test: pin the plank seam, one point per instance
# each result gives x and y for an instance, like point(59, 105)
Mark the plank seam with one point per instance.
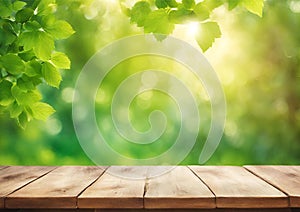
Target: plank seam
point(146, 185)
point(90, 186)
point(28, 184)
point(215, 199)
point(265, 180)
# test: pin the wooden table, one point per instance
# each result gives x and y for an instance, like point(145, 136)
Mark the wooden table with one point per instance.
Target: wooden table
point(200, 188)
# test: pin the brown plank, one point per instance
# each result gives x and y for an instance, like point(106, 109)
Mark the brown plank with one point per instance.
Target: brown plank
point(114, 192)
point(14, 177)
point(58, 189)
point(2, 167)
point(285, 178)
point(179, 188)
point(235, 187)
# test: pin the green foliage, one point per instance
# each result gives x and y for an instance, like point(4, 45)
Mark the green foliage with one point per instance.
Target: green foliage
point(212, 31)
point(28, 30)
point(162, 20)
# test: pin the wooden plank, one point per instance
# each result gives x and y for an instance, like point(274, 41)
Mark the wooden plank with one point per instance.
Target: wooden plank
point(179, 188)
point(58, 189)
point(114, 192)
point(285, 178)
point(235, 187)
point(14, 177)
point(2, 167)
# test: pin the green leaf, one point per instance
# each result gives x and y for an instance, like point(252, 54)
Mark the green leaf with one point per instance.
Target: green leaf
point(26, 55)
point(60, 60)
point(25, 97)
point(23, 120)
point(5, 8)
point(60, 29)
point(158, 22)
point(6, 37)
point(41, 43)
point(212, 4)
point(161, 3)
point(15, 110)
point(207, 34)
point(41, 111)
point(188, 4)
point(180, 16)
point(32, 26)
point(33, 68)
point(46, 7)
point(12, 64)
point(201, 11)
point(18, 5)
point(6, 97)
point(51, 74)
point(25, 83)
point(172, 3)
point(24, 15)
point(233, 4)
point(254, 6)
point(139, 12)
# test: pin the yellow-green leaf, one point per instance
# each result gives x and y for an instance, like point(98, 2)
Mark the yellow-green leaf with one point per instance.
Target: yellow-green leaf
point(41, 111)
point(60, 60)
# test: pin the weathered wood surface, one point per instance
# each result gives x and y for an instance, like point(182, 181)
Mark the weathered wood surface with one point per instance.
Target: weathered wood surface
point(58, 189)
point(235, 187)
point(209, 188)
point(179, 188)
point(13, 178)
point(114, 192)
point(285, 178)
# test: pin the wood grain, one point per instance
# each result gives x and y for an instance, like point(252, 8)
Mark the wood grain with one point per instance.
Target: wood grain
point(285, 178)
point(235, 187)
point(179, 188)
point(114, 192)
point(2, 167)
point(58, 189)
point(14, 177)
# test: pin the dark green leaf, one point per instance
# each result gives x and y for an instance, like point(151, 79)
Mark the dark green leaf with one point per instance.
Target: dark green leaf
point(33, 68)
point(27, 55)
point(24, 15)
point(15, 110)
point(32, 26)
point(161, 3)
point(25, 83)
point(51, 74)
point(12, 64)
point(5, 8)
point(139, 12)
point(6, 97)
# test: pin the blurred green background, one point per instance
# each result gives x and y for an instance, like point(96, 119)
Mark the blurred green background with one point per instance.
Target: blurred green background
point(258, 63)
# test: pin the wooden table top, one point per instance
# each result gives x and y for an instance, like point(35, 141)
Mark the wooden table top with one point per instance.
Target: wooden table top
point(185, 187)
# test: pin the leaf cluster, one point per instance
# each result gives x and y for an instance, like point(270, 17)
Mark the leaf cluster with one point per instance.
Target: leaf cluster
point(161, 16)
point(28, 31)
